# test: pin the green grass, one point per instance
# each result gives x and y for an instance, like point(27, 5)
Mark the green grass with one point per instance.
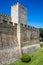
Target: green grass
point(36, 59)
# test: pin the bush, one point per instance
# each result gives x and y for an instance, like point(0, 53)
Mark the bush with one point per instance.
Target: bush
point(26, 58)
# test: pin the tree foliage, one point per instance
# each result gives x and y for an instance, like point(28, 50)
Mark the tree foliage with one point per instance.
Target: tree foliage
point(41, 32)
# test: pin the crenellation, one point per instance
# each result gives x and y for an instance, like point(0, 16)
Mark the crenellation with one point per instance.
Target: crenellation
point(29, 27)
point(4, 18)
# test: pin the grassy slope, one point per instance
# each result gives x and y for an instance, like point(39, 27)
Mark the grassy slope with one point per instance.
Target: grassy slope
point(37, 59)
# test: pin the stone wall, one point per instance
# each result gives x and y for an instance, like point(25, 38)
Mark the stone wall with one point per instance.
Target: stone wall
point(9, 48)
point(9, 55)
point(16, 40)
point(5, 18)
point(30, 49)
point(28, 35)
point(8, 35)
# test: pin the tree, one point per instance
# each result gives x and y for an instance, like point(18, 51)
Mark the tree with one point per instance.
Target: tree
point(41, 34)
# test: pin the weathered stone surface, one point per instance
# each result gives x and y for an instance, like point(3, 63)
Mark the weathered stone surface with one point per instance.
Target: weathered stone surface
point(28, 36)
point(30, 49)
point(9, 55)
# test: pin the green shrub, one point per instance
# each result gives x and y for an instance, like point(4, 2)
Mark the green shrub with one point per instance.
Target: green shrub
point(26, 58)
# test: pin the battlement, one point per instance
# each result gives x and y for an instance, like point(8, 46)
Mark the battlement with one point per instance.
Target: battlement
point(6, 23)
point(4, 15)
point(28, 27)
point(19, 5)
point(4, 18)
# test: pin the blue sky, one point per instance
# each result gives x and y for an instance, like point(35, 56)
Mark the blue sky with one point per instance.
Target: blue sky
point(34, 7)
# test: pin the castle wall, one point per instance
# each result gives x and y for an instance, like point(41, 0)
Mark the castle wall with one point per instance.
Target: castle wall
point(28, 39)
point(9, 48)
point(30, 49)
point(29, 35)
point(8, 35)
point(25, 36)
point(17, 40)
point(9, 55)
point(5, 18)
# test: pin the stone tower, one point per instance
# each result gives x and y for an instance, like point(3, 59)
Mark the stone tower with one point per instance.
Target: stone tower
point(19, 14)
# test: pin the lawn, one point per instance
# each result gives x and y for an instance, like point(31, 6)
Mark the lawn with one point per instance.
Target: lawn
point(36, 59)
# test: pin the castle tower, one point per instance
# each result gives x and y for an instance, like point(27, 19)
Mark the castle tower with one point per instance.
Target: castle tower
point(19, 14)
